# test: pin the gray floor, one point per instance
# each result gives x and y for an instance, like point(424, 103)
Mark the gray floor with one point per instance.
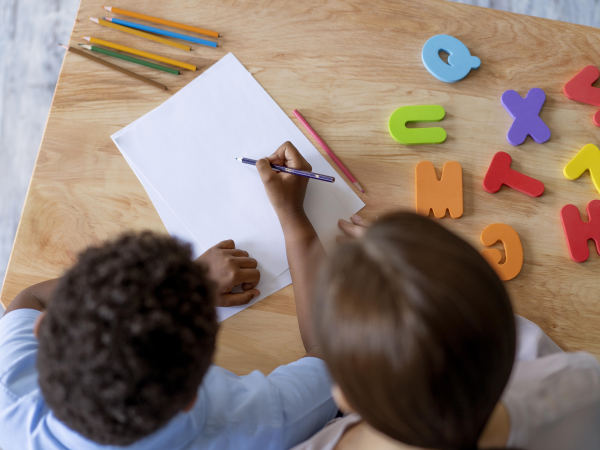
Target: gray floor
point(583, 12)
point(30, 61)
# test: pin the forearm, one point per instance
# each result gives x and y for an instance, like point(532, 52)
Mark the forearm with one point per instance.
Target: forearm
point(304, 252)
point(34, 297)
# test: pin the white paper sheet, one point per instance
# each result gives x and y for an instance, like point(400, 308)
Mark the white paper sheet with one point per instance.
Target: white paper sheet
point(188, 145)
point(176, 229)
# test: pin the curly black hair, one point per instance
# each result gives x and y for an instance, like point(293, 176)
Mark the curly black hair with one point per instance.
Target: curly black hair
point(127, 338)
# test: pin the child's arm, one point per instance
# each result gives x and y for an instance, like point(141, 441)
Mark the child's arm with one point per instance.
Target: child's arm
point(227, 266)
point(34, 297)
point(286, 193)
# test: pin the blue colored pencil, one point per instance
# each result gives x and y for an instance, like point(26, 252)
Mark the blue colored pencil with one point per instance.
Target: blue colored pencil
point(183, 37)
point(302, 173)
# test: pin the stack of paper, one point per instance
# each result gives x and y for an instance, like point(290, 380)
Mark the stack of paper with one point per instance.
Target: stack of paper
point(184, 151)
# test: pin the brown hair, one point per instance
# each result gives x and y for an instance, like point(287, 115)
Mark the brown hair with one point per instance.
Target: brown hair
point(417, 330)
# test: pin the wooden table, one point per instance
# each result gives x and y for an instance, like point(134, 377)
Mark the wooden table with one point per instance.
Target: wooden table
point(347, 65)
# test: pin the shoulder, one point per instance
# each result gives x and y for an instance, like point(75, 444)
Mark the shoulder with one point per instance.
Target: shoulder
point(330, 436)
point(281, 409)
point(554, 398)
point(230, 394)
point(22, 407)
point(18, 350)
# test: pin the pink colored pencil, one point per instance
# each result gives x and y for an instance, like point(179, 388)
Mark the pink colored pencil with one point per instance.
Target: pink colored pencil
point(328, 150)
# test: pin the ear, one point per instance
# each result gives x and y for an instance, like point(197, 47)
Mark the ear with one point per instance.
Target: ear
point(36, 327)
point(191, 404)
point(340, 399)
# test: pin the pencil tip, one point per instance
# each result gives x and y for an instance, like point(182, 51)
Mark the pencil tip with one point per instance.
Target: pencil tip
point(94, 19)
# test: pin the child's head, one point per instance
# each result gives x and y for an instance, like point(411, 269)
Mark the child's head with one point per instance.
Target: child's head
point(127, 338)
point(417, 330)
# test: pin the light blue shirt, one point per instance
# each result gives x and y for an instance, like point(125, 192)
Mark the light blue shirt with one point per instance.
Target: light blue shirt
point(249, 412)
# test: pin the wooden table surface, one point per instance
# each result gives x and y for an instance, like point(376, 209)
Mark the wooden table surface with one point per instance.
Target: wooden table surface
point(346, 65)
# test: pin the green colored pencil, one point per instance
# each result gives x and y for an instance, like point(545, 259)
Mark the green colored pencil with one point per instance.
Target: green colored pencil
point(130, 59)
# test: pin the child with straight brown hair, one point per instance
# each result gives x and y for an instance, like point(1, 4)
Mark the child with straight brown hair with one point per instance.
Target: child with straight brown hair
point(419, 335)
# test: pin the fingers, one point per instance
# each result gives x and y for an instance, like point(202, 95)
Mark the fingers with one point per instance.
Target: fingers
point(351, 230)
point(246, 263)
point(241, 259)
point(228, 244)
point(249, 276)
point(237, 253)
point(266, 172)
point(289, 156)
point(248, 286)
point(358, 220)
point(237, 299)
point(239, 276)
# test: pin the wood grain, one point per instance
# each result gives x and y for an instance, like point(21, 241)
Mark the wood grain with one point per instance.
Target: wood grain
point(346, 65)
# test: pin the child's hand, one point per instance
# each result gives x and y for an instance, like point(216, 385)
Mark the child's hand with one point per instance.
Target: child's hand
point(229, 267)
point(354, 230)
point(285, 191)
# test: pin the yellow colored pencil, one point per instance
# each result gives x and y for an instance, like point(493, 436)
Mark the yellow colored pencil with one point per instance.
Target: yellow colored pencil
point(106, 23)
point(140, 53)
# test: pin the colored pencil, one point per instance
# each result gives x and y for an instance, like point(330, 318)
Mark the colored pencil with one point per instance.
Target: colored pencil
point(302, 173)
point(124, 12)
point(106, 23)
point(141, 62)
point(112, 66)
point(328, 151)
point(139, 53)
point(183, 37)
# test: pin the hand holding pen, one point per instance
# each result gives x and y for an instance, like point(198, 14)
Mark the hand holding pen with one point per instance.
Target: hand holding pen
point(285, 191)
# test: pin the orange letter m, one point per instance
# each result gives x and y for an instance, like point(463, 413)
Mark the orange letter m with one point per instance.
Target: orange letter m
point(446, 193)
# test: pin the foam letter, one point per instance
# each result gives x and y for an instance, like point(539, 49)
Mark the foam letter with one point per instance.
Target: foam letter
point(500, 173)
point(512, 248)
point(580, 89)
point(526, 112)
point(578, 232)
point(588, 158)
point(460, 61)
point(447, 193)
point(413, 114)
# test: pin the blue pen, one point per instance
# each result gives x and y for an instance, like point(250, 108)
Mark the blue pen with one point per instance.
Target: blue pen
point(183, 37)
point(302, 173)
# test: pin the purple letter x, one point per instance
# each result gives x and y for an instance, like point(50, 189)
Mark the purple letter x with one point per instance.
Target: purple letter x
point(526, 112)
